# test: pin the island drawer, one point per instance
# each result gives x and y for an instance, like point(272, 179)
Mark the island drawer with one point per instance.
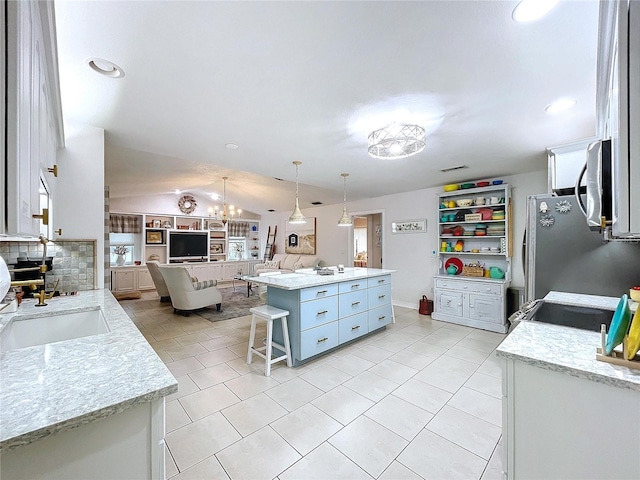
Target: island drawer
point(352, 286)
point(352, 327)
point(318, 312)
point(377, 281)
point(379, 317)
point(379, 296)
point(469, 286)
point(352, 303)
point(319, 339)
point(313, 293)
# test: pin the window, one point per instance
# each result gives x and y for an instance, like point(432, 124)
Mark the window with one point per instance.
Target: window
point(237, 248)
point(123, 241)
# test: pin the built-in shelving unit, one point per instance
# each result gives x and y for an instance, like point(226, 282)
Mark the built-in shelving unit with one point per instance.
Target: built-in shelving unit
point(475, 235)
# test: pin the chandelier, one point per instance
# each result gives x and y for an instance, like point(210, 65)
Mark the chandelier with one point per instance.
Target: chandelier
point(345, 220)
point(224, 217)
point(297, 216)
point(396, 141)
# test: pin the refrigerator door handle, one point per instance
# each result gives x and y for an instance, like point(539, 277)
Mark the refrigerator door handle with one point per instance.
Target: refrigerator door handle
point(577, 191)
point(593, 170)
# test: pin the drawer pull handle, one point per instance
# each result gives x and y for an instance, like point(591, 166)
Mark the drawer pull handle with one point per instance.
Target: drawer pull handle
point(355, 327)
point(381, 296)
point(322, 312)
point(357, 285)
point(355, 304)
point(321, 292)
point(382, 317)
point(320, 340)
point(381, 281)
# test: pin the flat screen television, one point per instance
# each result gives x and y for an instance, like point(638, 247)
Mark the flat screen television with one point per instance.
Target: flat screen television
point(188, 245)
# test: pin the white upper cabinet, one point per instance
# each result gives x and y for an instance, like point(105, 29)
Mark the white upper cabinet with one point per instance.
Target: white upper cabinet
point(34, 126)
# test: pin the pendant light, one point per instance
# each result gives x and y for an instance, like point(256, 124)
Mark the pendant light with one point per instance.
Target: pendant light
point(297, 217)
point(345, 220)
point(224, 200)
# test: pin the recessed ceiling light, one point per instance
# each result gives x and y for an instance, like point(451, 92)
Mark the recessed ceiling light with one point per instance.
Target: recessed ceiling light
point(177, 192)
point(215, 196)
point(231, 146)
point(105, 67)
point(561, 105)
point(530, 10)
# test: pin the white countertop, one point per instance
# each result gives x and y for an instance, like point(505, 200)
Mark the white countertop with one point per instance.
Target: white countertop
point(51, 388)
point(565, 349)
point(308, 278)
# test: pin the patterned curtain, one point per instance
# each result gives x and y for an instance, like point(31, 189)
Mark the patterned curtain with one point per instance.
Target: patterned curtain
point(124, 224)
point(239, 229)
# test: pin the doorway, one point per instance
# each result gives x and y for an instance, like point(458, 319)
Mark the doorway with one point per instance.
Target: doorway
point(367, 240)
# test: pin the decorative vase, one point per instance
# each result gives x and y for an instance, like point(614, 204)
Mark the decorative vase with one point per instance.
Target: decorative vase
point(120, 260)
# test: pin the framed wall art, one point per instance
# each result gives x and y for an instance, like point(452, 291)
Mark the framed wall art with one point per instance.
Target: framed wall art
point(301, 238)
point(409, 226)
point(155, 237)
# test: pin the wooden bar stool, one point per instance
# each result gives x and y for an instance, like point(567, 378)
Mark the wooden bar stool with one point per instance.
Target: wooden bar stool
point(268, 314)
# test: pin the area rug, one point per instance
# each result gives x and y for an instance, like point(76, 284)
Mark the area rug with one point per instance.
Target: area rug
point(234, 304)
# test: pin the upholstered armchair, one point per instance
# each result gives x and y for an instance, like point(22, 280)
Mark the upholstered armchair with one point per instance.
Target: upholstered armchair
point(187, 293)
point(158, 280)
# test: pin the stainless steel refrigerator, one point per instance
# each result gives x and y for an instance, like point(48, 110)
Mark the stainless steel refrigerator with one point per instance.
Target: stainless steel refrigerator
point(562, 254)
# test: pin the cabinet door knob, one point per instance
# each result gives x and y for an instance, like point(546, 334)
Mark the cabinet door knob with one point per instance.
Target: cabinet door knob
point(357, 285)
point(381, 296)
point(382, 317)
point(321, 292)
point(355, 304)
point(322, 312)
point(355, 327)
point(320, 340)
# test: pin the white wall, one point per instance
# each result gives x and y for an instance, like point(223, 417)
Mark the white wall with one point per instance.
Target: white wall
point(409, 254)
point(79, 200)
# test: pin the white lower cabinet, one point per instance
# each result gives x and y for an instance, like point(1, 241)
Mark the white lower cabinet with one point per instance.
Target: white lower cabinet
point(128, 279)
point(128, 444)
point(558, 426)
point(473, 302)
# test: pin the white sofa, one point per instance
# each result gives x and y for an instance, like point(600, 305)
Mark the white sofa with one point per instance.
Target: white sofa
point(287, 263)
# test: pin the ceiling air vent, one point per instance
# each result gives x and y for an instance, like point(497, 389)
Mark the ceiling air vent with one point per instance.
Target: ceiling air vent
point(316, 203)
point(271, 210)
point(450, 169)
point(278, 179)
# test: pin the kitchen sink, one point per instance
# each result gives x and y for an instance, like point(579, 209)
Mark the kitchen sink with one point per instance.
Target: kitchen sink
point(27, 331)
point(586, 318)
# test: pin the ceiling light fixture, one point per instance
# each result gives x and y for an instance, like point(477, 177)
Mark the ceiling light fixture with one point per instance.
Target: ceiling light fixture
point(231, 146)
point(105, 67)
point(530, 10)
point(561, 105)
point(396, 141)
point(297, 217)
point(345, 220)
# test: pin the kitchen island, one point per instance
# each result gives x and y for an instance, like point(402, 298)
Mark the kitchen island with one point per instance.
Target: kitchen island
point(326, 311)
point(565, 414)
point(87, 407)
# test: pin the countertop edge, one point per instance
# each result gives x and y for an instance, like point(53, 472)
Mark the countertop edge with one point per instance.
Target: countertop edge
point(70, 424)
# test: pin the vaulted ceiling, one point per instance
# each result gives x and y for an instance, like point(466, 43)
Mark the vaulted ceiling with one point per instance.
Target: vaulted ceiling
point(309, 80)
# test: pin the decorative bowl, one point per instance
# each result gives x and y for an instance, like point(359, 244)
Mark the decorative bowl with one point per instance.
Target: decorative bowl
point(497, 182)
point(450, 188)
point(464, 202)
point(467, 185)
point(483, 184)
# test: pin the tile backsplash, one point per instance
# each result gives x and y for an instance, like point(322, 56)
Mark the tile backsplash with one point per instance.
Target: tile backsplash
point(74, 262)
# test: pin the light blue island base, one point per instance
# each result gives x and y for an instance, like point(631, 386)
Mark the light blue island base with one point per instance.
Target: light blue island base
point(326, 312)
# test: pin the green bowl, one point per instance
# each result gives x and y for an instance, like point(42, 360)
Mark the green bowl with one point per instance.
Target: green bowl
point(467, 185)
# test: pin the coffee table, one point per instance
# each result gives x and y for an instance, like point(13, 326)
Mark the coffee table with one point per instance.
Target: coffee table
point(241, 278)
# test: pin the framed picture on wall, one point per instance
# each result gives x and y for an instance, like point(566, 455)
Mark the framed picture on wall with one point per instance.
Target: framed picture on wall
point(409, 226)
point(301, 238)
point(154, 238)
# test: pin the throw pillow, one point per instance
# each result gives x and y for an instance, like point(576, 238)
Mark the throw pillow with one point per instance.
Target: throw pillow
point(272, 264)
point(298, 266)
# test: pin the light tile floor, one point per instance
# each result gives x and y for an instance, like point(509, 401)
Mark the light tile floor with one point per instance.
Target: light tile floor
point(421, 399)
